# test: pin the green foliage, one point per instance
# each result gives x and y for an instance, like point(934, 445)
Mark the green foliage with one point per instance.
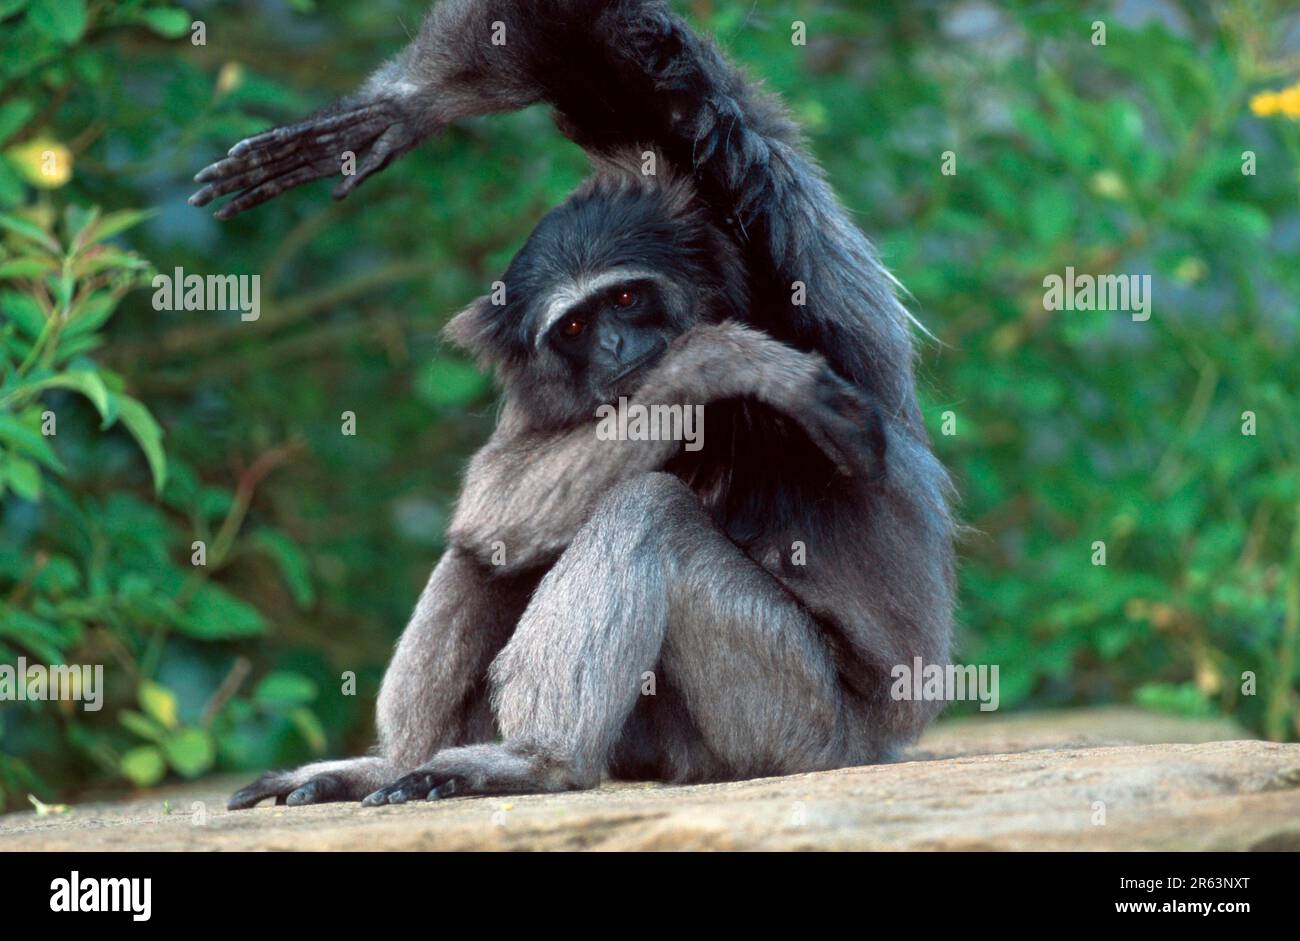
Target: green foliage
point(105, 573)
point(59, 300)
point(1072, 427)
point(1075, 427)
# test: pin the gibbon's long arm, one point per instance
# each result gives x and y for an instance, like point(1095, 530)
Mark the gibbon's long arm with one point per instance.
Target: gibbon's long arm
point(619, 72)
point(471, 57)
point(542, 488)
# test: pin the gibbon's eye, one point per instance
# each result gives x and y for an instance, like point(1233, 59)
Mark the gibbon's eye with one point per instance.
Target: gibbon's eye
point(572, 327)
point(624, 299)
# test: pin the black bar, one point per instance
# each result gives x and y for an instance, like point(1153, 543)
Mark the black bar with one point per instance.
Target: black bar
point(564, 892)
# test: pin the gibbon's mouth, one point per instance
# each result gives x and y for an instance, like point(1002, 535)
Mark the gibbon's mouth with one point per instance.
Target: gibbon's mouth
point(641, 361)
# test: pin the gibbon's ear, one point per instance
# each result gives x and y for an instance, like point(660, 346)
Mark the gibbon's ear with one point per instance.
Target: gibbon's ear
point(471, 330)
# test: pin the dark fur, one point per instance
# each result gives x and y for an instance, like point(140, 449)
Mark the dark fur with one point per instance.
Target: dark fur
point(628, 557)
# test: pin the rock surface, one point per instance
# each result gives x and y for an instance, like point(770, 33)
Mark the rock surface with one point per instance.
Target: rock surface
point(1101, 779)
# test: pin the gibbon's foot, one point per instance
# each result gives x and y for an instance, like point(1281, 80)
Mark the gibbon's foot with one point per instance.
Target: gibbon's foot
point(265, 165)
point(507, 768)
point(284, 788)
point(317, 783)
point(418, 785)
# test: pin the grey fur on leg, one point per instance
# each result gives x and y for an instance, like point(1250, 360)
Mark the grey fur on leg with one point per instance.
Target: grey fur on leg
point(601, 612)
point(650, 583)
point(434, 693)
point(570, 675)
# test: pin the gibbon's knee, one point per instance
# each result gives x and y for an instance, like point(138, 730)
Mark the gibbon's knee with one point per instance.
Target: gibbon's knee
point(647, 500)
point(629, 536)
point(641, 520)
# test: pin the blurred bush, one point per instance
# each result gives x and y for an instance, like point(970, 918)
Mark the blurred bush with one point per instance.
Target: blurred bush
point(1066, 428)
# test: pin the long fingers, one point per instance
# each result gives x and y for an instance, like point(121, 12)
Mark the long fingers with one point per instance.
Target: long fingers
point(234, 182)
point(272, 188)
point(265, 165)
point(310, 141)
point(312, 127)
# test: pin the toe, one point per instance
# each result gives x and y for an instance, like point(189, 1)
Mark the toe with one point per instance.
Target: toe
point(254, 793)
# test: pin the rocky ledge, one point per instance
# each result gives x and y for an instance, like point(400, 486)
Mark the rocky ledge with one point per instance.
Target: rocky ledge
point(1103, 779)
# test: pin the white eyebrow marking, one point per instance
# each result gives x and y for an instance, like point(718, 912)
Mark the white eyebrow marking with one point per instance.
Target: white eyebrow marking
point(579, 289)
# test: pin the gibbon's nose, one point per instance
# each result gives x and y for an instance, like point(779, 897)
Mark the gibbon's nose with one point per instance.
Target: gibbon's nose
point(614, 344)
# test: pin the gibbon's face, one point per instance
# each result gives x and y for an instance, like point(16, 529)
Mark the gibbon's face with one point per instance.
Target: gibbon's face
point(592, 301)
point(608, 329)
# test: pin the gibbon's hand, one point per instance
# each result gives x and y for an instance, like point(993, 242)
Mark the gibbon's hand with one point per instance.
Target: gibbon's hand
point(262, 167)
point(712, 362)
point(849, 426)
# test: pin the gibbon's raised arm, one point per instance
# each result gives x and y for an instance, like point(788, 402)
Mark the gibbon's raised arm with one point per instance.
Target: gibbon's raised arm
point(471, 57)
point(619, 72)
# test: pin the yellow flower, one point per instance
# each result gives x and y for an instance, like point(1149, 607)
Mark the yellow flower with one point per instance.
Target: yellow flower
point(1109, 184)
point(229, 78)
point(1264, 104)
point(43, 162)
point(1285, 101)
point(1289, 101)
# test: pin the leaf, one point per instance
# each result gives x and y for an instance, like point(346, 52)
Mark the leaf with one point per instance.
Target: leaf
point(283, 688)
point(309, 727)
point(182, 486)
point(215, 615)
point(13, 115)
point(41, 637)
point(142, 725)
point(72, 347)
point(294, 566)
point(1241, 222)
point(159, 703)
point(38, 633)
point(214, 502)
point(29, 441)
point(91, 314)
point(89, 384)
point(190, 752)
point(76, 219)
point(11, 184)
point(45, 810)
point(61, 20)
point(115, 222)
point(24, 477)
point(99, 258)
point(27, 267)
point(168, 22)
point(143, 766)
point(23, 311)
point(148, 435)
point(1179, 698)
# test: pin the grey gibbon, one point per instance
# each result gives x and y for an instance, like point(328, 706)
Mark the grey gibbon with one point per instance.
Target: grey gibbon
point(769, 582)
